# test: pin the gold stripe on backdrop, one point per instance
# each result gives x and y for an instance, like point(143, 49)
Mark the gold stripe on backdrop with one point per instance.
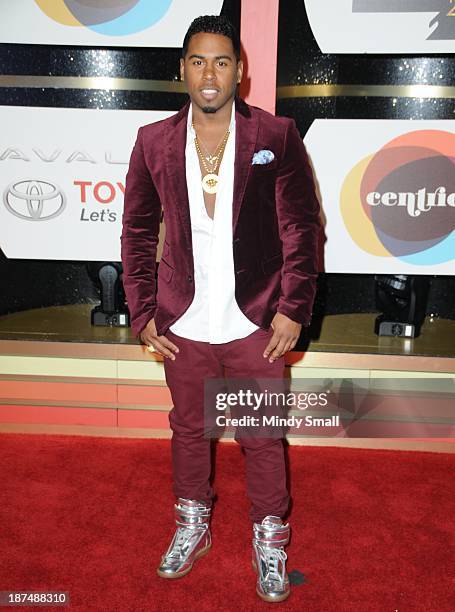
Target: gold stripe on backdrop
point(67, 82)
point(383, 91)
point(287, 91)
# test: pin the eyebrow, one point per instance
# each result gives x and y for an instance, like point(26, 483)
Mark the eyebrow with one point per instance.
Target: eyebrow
point(218, 57)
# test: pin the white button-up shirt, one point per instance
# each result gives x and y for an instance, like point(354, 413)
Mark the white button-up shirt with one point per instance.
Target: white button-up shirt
point(213, 315)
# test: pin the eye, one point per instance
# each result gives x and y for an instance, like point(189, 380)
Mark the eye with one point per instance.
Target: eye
point(197, 63)
point(222, 63)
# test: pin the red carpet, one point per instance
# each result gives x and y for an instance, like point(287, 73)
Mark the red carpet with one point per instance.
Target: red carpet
point(373, 530)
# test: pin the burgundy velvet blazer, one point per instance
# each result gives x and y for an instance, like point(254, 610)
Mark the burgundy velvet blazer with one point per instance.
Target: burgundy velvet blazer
point(275, 222)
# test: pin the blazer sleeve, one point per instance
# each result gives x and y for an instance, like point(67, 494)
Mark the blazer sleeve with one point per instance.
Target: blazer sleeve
point(299, 224)
point(139, 238)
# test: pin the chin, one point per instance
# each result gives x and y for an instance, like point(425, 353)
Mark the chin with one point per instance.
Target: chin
point(209, 109)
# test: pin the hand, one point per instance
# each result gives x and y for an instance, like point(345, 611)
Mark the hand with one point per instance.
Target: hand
point(286, 332)
point(160, 344)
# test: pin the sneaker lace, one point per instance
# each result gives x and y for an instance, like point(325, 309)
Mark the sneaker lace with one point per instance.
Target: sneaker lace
point(181, 543)
point(275, 564)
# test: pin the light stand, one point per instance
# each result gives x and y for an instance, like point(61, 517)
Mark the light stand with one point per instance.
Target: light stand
point(402, 300)
point(112, 312)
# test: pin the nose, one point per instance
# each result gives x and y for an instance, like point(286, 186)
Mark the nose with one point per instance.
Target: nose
point(209, 72)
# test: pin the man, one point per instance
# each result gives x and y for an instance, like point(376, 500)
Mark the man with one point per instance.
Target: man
point(236, 280)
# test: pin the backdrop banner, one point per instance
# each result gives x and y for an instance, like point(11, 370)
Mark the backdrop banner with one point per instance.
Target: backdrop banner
point(110, 23)
point(383, 26)
point(62, 180)
point(387, 189)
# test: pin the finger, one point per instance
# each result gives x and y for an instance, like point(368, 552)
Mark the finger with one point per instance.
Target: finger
point(159, 344)
point(293, 343)
point(271, 345)
point(151, 345)
point(168, 344)
point(150, 341)
point(290, 342)
point(162, 350)
point(278, 352)
point(155, 346)
point(288, 347)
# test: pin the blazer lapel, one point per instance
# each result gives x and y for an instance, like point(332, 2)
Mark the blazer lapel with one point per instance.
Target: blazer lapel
point(246, 130)
point(176, 167)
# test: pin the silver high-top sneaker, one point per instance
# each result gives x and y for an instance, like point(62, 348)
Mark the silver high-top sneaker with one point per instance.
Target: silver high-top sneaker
point(191, 540)
point(269, 558)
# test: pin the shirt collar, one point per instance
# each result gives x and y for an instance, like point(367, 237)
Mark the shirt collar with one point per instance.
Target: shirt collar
point(189, 127)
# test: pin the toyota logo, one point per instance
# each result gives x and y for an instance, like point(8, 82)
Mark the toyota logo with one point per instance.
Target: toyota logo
point(34, 200)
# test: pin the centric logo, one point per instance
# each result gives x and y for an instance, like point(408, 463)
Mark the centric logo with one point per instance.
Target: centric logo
point(34, 200)
point(109, 17)
point(400, 201)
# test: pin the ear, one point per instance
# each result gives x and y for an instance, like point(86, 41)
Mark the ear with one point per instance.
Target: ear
point(182, 69)
point(239, 71)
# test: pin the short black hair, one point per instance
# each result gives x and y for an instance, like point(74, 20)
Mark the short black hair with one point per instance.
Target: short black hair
point(213, 24)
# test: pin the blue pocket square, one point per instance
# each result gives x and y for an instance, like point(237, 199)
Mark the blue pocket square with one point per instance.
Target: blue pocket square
point(263, 157)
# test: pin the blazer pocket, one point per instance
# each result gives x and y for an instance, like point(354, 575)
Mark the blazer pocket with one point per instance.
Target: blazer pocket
point(165, 271)
point(272, 264)
point(260, 168)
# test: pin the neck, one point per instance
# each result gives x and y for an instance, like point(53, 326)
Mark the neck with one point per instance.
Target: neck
point(219, 120)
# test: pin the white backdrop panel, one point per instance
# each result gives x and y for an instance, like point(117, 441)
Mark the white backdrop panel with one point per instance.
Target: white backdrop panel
point(383, 26)
point(147, 23)
point(387, 187)
point(70, 163)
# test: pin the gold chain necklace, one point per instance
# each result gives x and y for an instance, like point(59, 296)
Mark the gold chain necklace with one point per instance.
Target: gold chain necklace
point(211, 165)
point(211, 159)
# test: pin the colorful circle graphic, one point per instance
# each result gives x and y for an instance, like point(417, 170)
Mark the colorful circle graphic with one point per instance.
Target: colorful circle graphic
point(400, 201)
point(108, 17)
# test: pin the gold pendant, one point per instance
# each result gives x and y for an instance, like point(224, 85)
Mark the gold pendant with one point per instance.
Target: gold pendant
point(210, 183)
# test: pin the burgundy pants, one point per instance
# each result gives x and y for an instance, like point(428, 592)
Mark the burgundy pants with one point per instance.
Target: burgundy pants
point(191, 450)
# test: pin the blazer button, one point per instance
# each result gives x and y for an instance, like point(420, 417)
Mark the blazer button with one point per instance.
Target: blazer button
point(190, 279)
